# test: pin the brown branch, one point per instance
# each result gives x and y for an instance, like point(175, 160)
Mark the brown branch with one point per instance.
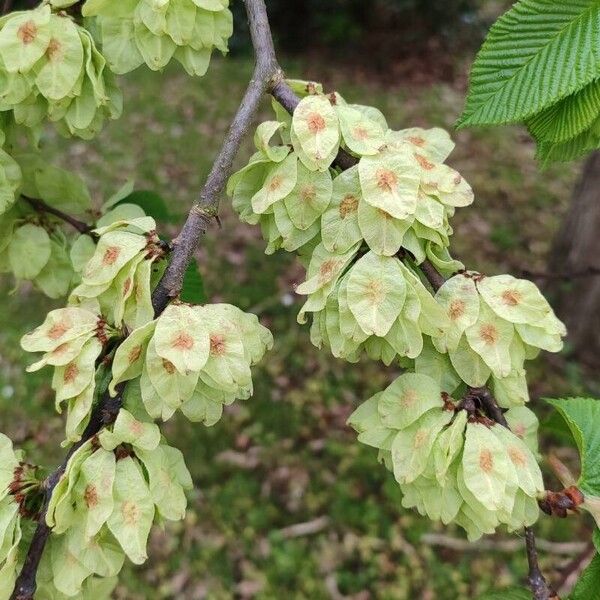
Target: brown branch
point(497, 544)
point(266, 74)
point(41, 206)
point(537, 582)
point(572, 571)
point(7, 7)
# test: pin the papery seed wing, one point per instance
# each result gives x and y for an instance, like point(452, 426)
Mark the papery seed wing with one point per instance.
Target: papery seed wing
point(133, 512)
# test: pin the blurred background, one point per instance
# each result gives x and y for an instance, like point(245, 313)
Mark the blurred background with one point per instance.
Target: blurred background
point(286, 503)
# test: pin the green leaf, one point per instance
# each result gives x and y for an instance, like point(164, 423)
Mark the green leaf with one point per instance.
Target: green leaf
point(568, 118)
point(153, 204)
point(589, 583)
point(536, 54)
point(29, 251)
point(582, 416)
point(193, 290)
point(586, 141)
point(55, 278)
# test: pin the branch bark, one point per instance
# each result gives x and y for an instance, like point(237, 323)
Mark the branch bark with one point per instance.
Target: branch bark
point(42, 207)
point(266, 75)
point(7, 7)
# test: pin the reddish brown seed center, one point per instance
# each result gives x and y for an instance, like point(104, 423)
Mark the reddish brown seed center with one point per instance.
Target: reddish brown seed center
point(425, 164)
point(374, 292)
point(488, 333)
point(486, 461)
point(409, 397)
point(130, 512)
point(327, 269)
point(90, 496)
point(275, 183)
point(27, 32)
point(71, 372)
point(136, 428)
point(183, 341)
point(386, 180)
point(110, 255)
point(316, 123)
point(457, 309)
point(217, 344)
point(360, 133)
point(60, 349)
point(384, 215)
point(417, 141)
point(58, 330)
point(54, 51)
point(511, 297)
point(308, 193)
point(420, 439)
point(348, 205)
point(126, 286)
point(517, 456)
point(134, 354)
point(519, 430)
point(168, 366)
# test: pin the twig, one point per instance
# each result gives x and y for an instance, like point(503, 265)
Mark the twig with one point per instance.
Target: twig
point(7, 7)
point(572, 572)
point(490, 405)
point(41, 206)
point(266, 73)
point(308, 528)
point(500, 545)
point(435, 278)
point(537, 582)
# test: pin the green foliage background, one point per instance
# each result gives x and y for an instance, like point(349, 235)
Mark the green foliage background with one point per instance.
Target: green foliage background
point(286, 457)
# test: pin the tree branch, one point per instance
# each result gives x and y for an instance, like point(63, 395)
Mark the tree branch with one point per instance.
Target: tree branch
point(537, 582)
point(7, 7)
point(266, 75)
point(41, 206)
